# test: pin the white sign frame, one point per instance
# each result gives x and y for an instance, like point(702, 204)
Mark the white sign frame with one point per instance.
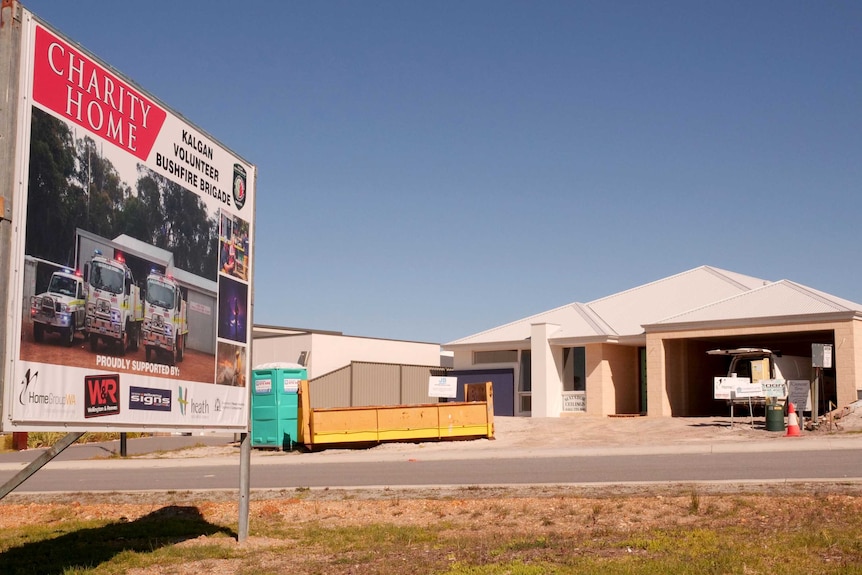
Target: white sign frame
point(443, 387)
point(736, 388)
point(110, 391)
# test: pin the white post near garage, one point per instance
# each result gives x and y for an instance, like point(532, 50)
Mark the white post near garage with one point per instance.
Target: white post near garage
point(547, 383)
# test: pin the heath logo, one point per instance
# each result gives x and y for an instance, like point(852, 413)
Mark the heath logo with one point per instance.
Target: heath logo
point(239, 183)
point(149, 399)
point(29, 396)
point(188, 406)
point(183, 399)
point(102, 395)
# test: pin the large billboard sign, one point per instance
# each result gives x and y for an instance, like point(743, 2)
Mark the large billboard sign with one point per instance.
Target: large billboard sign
point(129, 294)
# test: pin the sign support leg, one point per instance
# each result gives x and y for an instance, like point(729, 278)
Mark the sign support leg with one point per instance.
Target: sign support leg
point(39, 462)
point(244, 485)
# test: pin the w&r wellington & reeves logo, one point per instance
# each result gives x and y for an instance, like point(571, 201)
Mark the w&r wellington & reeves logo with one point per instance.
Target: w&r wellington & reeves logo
point(101, 395)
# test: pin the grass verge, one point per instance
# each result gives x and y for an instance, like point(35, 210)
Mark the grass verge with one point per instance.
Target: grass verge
point(690, 533)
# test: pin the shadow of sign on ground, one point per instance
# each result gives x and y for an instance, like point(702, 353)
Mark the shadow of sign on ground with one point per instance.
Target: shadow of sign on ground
point(89, 547)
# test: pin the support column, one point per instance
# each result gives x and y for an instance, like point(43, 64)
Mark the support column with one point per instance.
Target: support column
point(547, 394)
point(10, 64)
point(658, 401)
point(848, 362)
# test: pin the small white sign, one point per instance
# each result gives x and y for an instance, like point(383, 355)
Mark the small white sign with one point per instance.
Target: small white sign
point(291, 385)
point(263, 386)
point(774, 388)
point(800, 394)
point(748, 390)
point(574, 402)
point(730, 387)
point(443, 386)
point(200, 308)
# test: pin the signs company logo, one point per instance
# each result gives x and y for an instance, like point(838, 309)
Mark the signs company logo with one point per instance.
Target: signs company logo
point(183, 399)
point(149, 399)
point(101, 395)
point(239, 186)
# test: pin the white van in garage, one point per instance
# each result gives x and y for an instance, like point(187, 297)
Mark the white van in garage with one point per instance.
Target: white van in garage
point(759, 364)
point(755, 373)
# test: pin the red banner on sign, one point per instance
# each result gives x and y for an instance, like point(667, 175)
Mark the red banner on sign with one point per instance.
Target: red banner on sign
point(74, 86)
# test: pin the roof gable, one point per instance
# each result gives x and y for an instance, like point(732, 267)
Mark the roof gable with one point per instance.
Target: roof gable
point(775, 300)
point(624, 313)
point(572, 318)
point(627, 311)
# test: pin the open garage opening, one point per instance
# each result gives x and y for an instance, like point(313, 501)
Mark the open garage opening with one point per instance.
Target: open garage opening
point(690, 370)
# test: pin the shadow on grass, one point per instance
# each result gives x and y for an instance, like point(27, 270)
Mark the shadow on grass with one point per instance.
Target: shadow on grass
point(88, 548)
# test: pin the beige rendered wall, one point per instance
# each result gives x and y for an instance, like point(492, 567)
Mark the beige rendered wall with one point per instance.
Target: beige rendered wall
point(658, 401)
point(598, 389)
point(623, 365)
point(279, 349)
point(328, 352)
point(848, 361)
point(612, 379)
point(686, 389)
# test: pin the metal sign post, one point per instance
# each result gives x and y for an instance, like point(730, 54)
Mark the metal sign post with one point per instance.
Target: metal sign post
point(821, 357)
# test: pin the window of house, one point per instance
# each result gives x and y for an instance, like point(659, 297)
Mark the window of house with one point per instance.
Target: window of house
point(526, 383)
point(574, 369)
point(495, 356)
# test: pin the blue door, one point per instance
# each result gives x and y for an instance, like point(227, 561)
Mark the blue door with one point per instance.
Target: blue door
point(503, 381)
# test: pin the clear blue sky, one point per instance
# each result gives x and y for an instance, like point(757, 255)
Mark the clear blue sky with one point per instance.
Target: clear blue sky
point(429, 170)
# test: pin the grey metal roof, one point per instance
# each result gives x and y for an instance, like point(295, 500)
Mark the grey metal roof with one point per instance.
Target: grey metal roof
point(144, 250)
point(196, 281)
point(781, 299)
point(623, 314)
point(626, 312)
point(573, 319)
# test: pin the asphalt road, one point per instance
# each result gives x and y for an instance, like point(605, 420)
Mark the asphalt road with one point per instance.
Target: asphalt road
point(839, 460)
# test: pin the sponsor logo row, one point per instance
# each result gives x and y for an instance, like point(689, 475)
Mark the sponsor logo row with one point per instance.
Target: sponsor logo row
point(102, 397)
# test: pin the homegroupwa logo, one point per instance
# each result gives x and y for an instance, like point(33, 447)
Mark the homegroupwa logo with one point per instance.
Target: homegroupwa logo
point(28, 395)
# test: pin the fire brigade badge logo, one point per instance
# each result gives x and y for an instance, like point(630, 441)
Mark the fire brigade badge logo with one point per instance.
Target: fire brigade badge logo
point(239, 183)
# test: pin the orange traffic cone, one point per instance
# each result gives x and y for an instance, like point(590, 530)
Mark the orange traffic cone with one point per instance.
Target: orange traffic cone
point(792, 422)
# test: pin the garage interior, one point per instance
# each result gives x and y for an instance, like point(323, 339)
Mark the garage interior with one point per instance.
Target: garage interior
point(690, 371)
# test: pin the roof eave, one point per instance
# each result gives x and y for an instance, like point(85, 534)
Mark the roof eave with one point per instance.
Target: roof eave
point(582, 340)
point(753, 322)
point(487, 345)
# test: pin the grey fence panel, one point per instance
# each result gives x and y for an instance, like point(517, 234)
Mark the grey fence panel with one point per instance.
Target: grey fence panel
point(414, 383)
point(376, 384)
point(366, 383)
point(331, 389)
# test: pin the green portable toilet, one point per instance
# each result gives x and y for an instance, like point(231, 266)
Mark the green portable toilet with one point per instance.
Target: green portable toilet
point(275, 404)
